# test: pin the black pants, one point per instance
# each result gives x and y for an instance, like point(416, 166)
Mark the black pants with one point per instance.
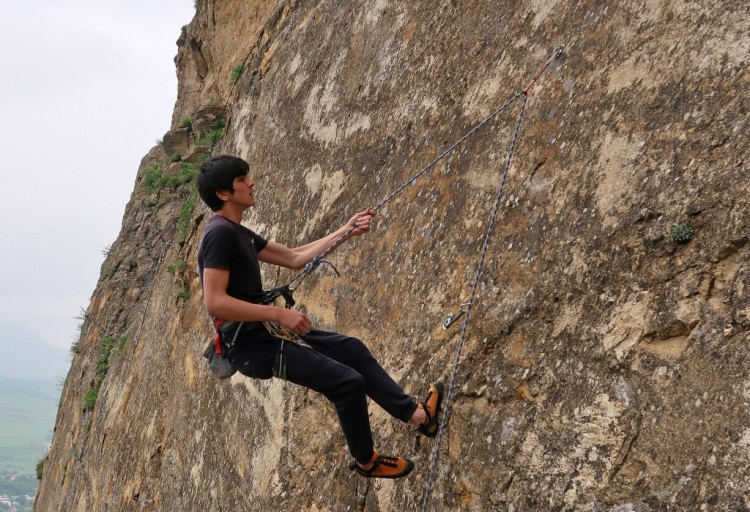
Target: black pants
point(341, 368)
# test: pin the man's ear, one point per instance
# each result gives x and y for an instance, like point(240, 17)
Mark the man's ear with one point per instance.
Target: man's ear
point(222, 194)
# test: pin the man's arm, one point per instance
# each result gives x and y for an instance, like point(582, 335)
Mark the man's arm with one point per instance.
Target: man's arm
point(283, 256)
point(220, 304)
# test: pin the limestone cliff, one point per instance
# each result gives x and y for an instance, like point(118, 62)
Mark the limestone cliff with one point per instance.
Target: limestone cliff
point(606, 363)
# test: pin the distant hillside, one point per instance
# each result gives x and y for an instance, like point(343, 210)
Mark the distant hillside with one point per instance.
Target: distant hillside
point(27, 417)
point(26, 355)
point(30, 370)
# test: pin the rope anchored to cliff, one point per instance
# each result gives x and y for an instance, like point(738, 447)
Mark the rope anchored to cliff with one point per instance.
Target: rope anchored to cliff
point(289, 288)
point(465, 311)
point(286, 291)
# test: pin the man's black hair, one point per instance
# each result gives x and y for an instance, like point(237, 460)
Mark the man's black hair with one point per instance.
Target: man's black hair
point(217, 174)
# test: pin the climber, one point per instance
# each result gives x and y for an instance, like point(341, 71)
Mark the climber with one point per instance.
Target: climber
point(338, 366)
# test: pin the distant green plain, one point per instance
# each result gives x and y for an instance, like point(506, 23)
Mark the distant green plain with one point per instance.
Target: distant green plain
point(27, 418)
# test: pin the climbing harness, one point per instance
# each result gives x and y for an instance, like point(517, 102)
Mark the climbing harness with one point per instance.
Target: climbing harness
point(466, 313)
point(218, 351)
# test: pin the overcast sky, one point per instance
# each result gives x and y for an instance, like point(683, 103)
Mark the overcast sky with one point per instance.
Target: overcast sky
point(87, 87)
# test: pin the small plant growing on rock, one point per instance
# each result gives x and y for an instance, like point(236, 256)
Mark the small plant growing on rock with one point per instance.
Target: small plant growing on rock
point(105, 350)
point(214, 135)
point(179, 266)
point(40, 466)
point(89, 400)
point(81, 317)
point(153, 178)
point(184, 293)
point(186, 122)
point(681, 233)
point(185, 218)
point(121, 344)
point(237, 72)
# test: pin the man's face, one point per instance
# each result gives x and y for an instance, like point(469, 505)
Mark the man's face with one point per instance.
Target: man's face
point(243, 194)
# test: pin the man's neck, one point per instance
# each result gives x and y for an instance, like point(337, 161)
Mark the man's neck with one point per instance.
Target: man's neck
point(231, 214)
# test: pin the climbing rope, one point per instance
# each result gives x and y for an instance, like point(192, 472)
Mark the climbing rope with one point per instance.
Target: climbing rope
point(288, 289)
point(477, 277)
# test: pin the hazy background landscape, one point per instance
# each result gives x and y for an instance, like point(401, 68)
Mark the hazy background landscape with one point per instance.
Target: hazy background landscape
point(32, 374)
point(88, 91)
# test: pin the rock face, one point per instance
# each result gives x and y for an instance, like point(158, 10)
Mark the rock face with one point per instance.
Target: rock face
point(605, 364)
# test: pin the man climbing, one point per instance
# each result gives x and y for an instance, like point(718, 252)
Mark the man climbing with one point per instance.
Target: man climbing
point(338, 366)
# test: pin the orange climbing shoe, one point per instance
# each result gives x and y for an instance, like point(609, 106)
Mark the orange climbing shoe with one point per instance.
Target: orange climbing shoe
point(431, 406)
point(385, 466)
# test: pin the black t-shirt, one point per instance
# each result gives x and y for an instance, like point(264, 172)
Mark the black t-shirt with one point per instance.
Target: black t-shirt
point(231, 246)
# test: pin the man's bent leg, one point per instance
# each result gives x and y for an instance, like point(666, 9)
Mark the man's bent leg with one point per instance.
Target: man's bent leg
point(379, 385)
point(343, 386)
